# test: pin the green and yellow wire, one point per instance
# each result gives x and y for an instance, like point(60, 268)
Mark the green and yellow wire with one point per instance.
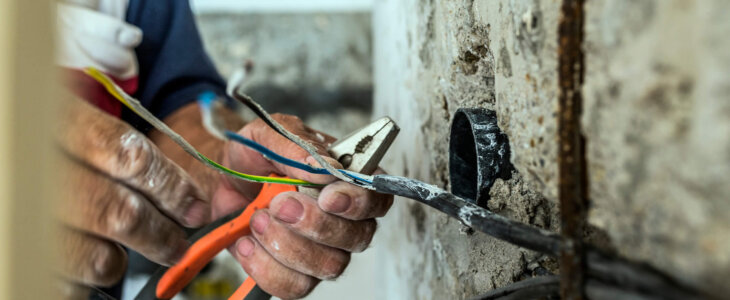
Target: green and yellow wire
point(137, 108)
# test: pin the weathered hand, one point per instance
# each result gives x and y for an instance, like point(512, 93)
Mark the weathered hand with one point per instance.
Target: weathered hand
point(299, 240)
point(119, 189)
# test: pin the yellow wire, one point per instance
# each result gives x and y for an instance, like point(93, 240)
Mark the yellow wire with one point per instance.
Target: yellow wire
point(114, 90)
point(110, 86)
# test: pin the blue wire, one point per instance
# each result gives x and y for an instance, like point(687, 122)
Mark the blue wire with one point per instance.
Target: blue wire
point(272, 155)
point(283, 160)
point(355, 177)
point(206, 101)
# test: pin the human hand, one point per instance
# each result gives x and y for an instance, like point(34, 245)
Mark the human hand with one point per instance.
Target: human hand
point(118, 188)
point(299, 240)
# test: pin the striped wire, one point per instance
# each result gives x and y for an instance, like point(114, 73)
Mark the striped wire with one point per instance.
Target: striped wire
point(266, 152)
point(137, 108)
point(206, 101)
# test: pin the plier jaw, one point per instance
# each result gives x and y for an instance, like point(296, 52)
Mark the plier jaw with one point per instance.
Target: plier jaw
point(362, 150)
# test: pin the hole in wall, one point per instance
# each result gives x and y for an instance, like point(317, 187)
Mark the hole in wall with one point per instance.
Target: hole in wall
point(478, 154)
point(462, 159)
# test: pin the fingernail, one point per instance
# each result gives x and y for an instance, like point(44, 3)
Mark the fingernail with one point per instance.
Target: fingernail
point(198, 213)
point(338, 203)
point(260, 222)
point(103, 262)
point(245, 247)
point(290, 211)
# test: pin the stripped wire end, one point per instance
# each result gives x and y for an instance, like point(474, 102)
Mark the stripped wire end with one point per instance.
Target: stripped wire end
point(211, 122)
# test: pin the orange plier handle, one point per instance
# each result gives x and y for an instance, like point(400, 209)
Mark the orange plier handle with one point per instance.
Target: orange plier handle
point(207, 242)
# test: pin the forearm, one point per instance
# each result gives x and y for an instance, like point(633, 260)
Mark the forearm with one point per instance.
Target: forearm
point(187, 121)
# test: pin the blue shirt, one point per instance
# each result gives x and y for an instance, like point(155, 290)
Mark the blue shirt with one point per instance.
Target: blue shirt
point(173, 65)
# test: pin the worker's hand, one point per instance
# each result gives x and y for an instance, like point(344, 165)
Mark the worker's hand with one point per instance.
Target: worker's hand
point(119, 190)
point(299, 240)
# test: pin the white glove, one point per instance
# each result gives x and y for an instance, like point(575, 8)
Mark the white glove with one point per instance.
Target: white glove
point(91, 37)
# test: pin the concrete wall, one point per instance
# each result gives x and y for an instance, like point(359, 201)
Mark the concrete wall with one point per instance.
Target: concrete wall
point(279, 6)
point(432, 57)
point(317, 66)
point(656, 120)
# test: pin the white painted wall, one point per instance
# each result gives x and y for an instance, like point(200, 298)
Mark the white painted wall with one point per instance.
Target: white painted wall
point(273, 6)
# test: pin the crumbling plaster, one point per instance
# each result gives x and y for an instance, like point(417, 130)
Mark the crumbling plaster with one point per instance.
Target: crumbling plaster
point(655, 119)
point(431, 58)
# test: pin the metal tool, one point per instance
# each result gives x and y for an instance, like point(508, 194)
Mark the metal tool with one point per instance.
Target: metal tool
point(360, 152)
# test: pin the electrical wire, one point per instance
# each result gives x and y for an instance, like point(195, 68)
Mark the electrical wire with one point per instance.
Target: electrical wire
point(272, 155)
point(137, 108)
point(235, 92)
point(266, 152)
point(213, 124)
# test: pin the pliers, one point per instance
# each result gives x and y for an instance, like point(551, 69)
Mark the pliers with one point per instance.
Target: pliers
point(360, 152)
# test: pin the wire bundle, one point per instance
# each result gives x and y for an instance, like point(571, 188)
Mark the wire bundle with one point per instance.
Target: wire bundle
point(137, 108)
point(344, 175)
point(214, 126)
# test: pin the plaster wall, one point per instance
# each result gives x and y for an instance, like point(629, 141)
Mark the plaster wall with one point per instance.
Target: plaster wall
point(431, 58)
point(655, 120)
point(306, 64)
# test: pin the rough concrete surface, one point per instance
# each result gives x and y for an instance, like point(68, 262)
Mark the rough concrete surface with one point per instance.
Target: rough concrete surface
point(657, 120)
point(432, 57)
point(303, 63)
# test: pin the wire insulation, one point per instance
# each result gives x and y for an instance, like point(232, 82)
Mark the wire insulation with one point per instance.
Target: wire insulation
point(213, 124)
point(256, 108)
point(137, 108)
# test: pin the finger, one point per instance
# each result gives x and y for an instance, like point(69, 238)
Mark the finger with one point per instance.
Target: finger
point(270, 275)
point(90, 260)
point(301, 214)
point(114, 148)
point(295, 251)
point(101, 206)
point(354, 203)
point(258, 131)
